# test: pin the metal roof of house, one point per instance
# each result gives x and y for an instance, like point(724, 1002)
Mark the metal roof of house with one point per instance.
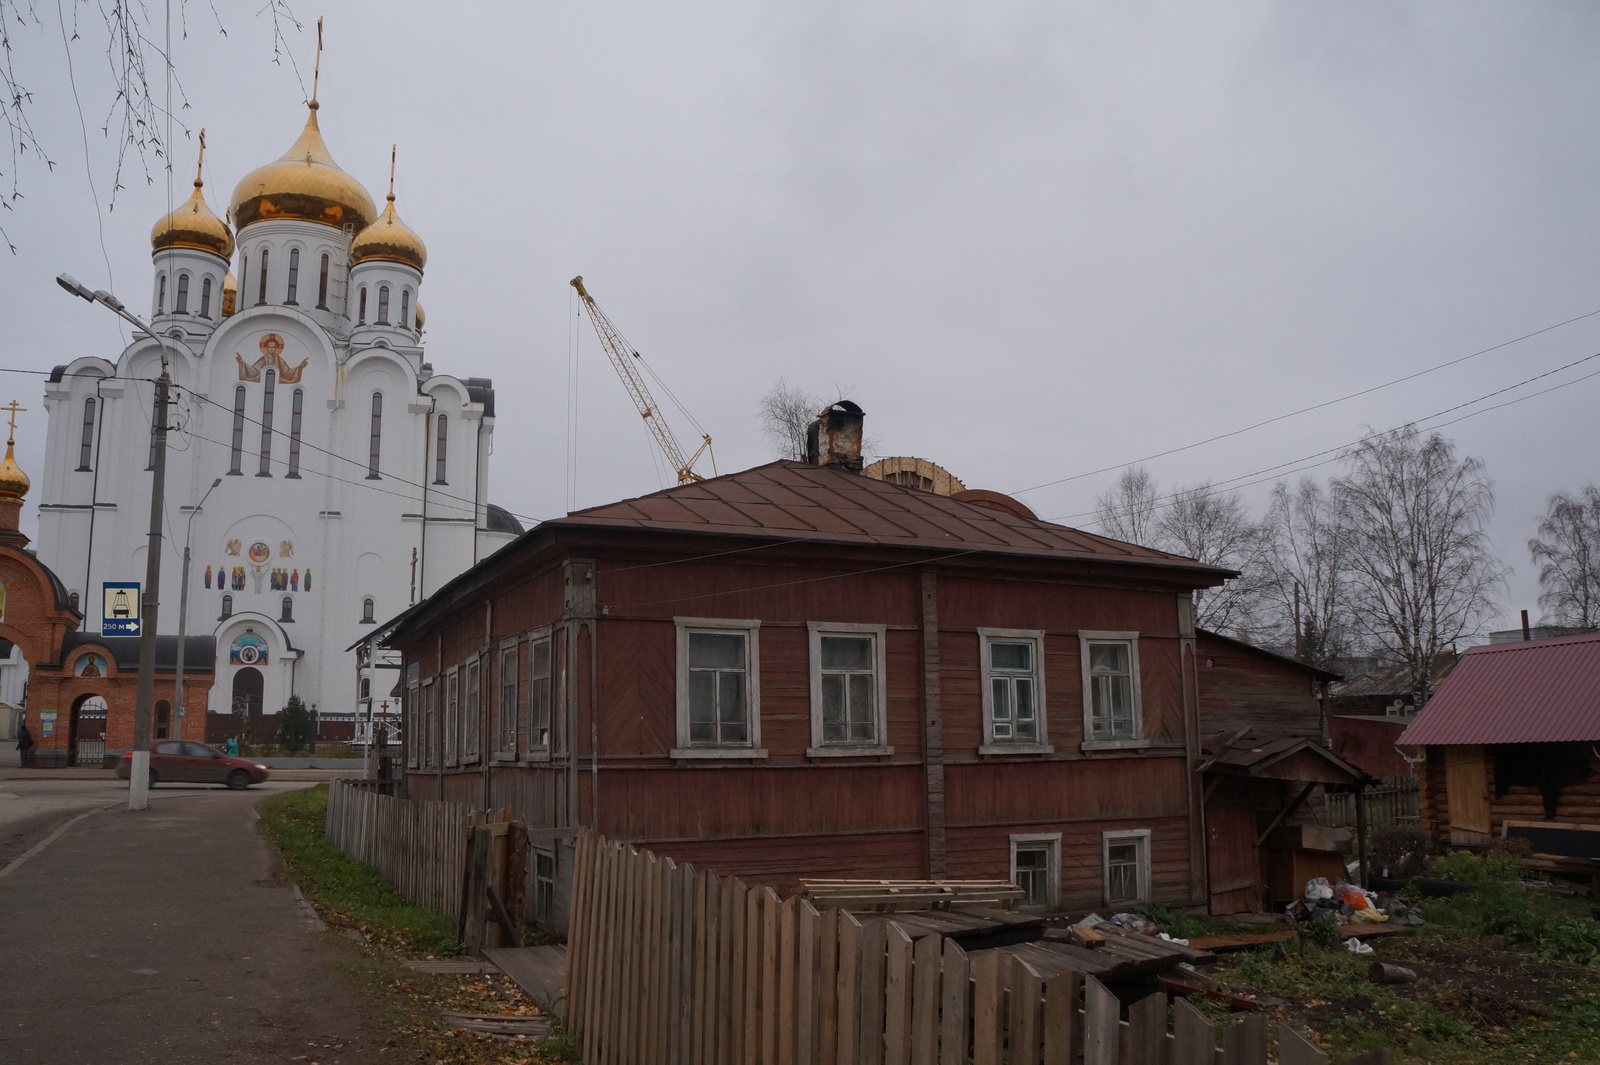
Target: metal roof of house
point(795, 500)
point(1539, 691)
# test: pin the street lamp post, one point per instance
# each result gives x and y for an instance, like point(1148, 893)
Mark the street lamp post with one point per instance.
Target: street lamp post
point(183, 607)
point(149, 607)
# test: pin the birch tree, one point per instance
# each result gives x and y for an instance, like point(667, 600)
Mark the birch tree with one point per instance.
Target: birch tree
point(1215, 528)
point(1308, 558)
point(1567, 550)
point(1127, 512)
point(786, 412)
point(1423, 576)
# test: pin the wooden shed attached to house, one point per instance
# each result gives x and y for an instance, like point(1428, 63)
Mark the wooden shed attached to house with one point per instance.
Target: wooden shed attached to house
point(1512, 747)
point(799, 671)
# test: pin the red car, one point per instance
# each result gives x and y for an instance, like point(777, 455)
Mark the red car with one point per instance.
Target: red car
point(187, 762)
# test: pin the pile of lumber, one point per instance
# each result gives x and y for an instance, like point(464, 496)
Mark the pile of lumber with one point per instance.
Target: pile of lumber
point(896, 896)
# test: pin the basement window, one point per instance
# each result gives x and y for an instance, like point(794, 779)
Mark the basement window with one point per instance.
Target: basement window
point(1127, 867)
point(1036, 868)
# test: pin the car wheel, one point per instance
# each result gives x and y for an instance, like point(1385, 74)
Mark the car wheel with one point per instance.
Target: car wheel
point(238, 780)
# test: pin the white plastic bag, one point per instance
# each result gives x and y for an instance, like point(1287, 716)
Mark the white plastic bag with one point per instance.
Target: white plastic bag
point(1355, 946)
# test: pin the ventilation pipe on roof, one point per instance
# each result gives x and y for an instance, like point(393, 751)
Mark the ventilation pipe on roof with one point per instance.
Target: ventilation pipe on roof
point(834, 439)
point(1527, 632)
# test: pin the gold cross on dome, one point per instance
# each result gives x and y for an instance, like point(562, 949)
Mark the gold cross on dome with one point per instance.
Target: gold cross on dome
point(15, 408)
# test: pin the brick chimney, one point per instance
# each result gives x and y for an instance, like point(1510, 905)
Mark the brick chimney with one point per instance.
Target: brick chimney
point(834, 439)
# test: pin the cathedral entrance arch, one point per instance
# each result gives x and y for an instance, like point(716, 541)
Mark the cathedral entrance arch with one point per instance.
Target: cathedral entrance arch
point(86, 731)
point(249, 686)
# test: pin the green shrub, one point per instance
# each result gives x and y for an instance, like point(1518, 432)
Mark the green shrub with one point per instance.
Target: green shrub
point(1458, 865)
point(294, 725)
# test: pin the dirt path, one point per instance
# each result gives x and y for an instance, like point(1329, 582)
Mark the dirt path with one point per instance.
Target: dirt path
point(162, 936)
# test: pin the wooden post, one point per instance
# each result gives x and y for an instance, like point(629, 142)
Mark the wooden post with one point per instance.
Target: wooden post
point(932, 724)
point(1361, 830)
point(955, 996)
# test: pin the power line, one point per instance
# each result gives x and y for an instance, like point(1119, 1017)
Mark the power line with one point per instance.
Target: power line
point(1307, 410)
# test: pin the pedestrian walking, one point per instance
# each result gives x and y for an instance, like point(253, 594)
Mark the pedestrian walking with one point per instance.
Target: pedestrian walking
point(232, 747)
point(25, 745)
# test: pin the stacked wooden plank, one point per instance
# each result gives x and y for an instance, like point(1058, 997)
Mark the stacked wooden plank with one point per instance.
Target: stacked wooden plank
point(896, 896)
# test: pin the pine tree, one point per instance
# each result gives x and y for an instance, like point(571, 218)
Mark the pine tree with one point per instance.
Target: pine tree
point(294, 725)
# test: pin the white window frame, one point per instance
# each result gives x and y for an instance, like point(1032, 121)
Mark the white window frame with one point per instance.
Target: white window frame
point(1138, 739)
point(990, 744)
point(414, 737)
point(539, 752)
point(1141, 836)
point(507, 719)
point(472, 711)
point(452, 716)
point(751, 630)
point(1052, 867)
point(821, 748)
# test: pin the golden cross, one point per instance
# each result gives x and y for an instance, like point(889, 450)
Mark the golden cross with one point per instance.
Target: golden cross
point(200, 163)
point(316, 71)
point(392, 149)
point(15, 410)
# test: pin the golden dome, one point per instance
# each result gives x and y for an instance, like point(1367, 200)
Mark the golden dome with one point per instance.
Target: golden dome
point(389, 240)
point(13, 482)
point(305, 184)
point(230, 294)
point(422, 316)
point(194, 225)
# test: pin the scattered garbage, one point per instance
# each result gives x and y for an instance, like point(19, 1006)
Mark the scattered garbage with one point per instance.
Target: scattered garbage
point(1317, 889)
point(1132, 922)
point(1353, 904)
point(1355, 946)
point(1094, 920)
point(1171, 939)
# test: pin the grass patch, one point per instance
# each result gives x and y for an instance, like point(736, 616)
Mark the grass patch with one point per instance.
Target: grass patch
point(342, 889)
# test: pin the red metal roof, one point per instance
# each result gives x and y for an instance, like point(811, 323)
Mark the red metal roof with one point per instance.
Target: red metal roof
point(795, 500)
point(1537, 691)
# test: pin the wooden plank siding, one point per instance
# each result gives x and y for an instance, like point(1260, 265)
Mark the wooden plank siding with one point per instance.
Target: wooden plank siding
point(773, 820)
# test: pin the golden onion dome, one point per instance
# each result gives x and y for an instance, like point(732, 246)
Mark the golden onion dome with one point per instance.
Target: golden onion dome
point(422, 316)
point(305, 184)
point(389, 240)
point(194, 225)
point(230, 294)
point(13, 482)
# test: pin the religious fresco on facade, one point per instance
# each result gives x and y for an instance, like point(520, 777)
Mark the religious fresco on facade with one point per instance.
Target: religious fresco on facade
point(260, 552)
point(271, 358)
point(89, 665)
point(248, 649)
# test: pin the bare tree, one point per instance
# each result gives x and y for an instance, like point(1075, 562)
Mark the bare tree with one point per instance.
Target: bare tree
point(786, 412)
point(1423, 575)
point(1568, 552)
point(1127, 512)
point(1215, 528)
point(1308, 589)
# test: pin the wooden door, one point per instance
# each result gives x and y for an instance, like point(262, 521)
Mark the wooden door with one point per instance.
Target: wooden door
point(1466, 782)
point(1232, 859)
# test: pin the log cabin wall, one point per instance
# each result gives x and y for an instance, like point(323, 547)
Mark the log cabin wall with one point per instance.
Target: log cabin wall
point(787, 815)
point(1577, 803)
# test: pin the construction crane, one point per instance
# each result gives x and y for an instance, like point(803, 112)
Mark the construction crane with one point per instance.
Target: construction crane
point(627, 363)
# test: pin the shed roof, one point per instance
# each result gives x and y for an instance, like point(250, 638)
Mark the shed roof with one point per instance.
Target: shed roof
point(1289, 758)
point(1540, 691)
point(795, 500)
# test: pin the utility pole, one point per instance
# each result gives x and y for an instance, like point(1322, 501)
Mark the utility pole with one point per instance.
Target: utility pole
point(149, 603)
point(183, 609)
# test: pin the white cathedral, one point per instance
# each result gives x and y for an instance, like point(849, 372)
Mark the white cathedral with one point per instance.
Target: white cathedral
point(354, 478)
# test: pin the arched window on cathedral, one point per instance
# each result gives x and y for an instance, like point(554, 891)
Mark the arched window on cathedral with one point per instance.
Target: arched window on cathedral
point(322, 285)
point(366, 687)
point(267, 394)
point(161, 294)
point(405, 307)
point(439, 448)
point(238, 432)
point(73, 599)
point(361, 311)
point(227, 606)
point(182, 304)
point(288, 609)
point(294, 433)
point(261, 294)
point(368, 611)
point(294, 277)
point(86, 448)
point(377, 435)
point(383, 304)
point(205, 298)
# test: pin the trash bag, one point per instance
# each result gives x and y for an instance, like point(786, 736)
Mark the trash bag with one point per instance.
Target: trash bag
point(1132, 922)
point(1318, 888)
point(1368, 916)
point(1297, 911)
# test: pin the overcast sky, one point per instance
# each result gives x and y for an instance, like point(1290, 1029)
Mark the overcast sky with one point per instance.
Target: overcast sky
point(1030, 239)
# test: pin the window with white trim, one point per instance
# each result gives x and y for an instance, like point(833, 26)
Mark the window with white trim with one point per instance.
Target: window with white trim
point(1036, 868)
point(474, 712)
point(1013, 691)
point(1127, 866)
point(538, 731)
point(452, 717)
point(506, 716)
point(1112, 715)
point(847, 690)
point(719, 703)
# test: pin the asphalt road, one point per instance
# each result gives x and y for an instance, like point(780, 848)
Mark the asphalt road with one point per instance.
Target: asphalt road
point(162, 936)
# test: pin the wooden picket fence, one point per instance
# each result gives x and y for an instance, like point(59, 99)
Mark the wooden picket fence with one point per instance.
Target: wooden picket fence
point(671, 966)
point(418, 846)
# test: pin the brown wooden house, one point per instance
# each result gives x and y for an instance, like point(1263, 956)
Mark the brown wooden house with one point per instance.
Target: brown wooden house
point(798, 671)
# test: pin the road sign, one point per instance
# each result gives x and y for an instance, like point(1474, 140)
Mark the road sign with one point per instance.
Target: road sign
point(120, 613)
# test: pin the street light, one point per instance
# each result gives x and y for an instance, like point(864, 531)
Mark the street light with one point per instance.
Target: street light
point(183, 606)
point(149, 608)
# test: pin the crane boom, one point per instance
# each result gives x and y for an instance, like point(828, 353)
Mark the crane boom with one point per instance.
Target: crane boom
point(622, 355)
